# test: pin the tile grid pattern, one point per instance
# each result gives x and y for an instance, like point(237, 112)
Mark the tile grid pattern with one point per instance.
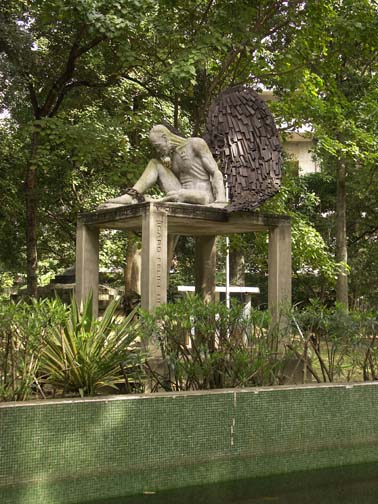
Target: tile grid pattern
point(77, 451)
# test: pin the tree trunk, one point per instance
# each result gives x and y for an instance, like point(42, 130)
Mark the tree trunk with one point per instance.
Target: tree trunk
point(176, 112)
point(341, 235)
point(31, 219)
point(237, 268)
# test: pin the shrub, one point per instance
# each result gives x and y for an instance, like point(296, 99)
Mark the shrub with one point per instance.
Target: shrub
point(335, 344)
point(207, 346)
point(24, 328)
point(88, 356)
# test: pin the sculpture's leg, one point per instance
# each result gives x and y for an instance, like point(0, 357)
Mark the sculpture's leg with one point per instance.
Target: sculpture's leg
point(279, 273)
point(205, 267)
point(87, 264)
point(156, 172)
point(154, 258)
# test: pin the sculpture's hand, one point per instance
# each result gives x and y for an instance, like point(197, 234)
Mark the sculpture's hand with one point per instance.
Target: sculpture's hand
point(218, 204)
point(171, 196)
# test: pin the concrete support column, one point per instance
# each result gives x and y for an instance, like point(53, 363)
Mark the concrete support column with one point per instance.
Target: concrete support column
point(154, 258)
point(205, 267)
point(87, 264)
point(279, 270)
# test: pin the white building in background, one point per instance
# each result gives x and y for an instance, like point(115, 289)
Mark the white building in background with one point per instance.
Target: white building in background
point(298, 145)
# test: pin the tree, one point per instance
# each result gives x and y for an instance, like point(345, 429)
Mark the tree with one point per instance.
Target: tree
point(333, 92)
point(84, 80)
point(49, 51)
point(11, 208)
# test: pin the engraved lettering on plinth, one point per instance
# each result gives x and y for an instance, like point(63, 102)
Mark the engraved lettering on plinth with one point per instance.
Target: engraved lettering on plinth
point(154, 258)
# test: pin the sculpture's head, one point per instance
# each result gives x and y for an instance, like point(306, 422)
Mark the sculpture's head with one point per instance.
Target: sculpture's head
point(164, 140)
point(159, 137)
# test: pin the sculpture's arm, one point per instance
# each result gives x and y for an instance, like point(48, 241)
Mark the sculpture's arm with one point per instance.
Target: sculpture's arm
point(202, 151)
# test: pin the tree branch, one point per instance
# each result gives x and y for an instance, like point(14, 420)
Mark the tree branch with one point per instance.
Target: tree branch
point(203, 18)
point(95, 42)
point(113, 79)
point(62, 224)
point(72, 85)
point(368, 64)
point(368, 232)
point(151, 91)
point(56, 94)
point(260, 27)
point(34, 100)
point(273, 74)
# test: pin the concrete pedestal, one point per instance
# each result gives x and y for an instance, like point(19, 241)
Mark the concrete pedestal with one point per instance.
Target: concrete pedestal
point(154, 258)
point(279, 271)
point(87, 259)
point(156, 220)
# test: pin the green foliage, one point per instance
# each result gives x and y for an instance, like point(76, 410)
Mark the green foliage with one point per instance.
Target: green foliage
point(207, 346)
point(44, 342)
point(334, 88)
point(6, 281)
point(312, 254)
point(138, 62)
point(24, 329)
point(87, 356)
point(336, 345)
point(46, 346)
point(12, 158)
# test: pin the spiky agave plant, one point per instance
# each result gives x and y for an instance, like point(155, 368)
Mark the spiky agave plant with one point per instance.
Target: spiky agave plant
point(86, 355)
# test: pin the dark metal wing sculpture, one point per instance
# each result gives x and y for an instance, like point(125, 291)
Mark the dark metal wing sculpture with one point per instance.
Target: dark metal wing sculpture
point(243, 139)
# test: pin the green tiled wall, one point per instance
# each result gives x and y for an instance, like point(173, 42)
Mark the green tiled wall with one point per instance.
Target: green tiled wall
point(81, 450)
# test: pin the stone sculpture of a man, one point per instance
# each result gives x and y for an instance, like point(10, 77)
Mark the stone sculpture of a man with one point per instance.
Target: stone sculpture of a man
point(186, 172)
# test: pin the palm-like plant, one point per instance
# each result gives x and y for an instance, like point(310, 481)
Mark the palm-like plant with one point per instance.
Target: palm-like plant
point(86, 355)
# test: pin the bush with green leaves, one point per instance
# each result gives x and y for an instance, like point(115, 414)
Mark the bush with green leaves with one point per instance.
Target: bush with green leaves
point(24, 328)
point(207, 346)
point(90, 356)
point(336, 344)
point(47, 347)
